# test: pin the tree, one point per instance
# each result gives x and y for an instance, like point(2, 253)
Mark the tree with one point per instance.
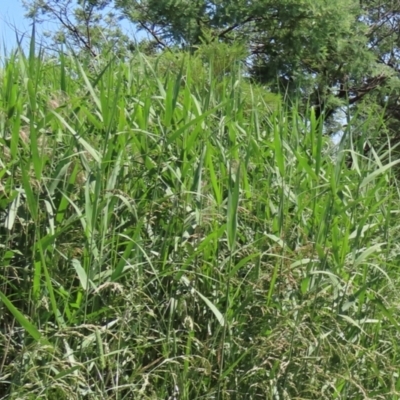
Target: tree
point(326, 54)
point(88, 25)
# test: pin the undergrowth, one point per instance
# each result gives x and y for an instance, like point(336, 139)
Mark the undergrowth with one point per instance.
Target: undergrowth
point(166, 232)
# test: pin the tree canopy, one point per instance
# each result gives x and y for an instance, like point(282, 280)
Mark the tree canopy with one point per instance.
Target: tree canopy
point(327, 54)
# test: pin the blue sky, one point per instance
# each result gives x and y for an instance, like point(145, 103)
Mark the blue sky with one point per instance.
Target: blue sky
point(12, 18)
point(12, 15)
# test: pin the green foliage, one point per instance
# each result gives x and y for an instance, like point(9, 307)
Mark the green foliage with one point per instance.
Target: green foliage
point(209, 66)
point(318, 53)
point(88, 26)
point(182, 21)
point(163, 228)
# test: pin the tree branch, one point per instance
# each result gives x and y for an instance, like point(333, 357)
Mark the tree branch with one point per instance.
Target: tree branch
point(154, 34)
point(234, 26)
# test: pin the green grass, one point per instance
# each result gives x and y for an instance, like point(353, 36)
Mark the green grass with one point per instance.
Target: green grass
point(182, 229)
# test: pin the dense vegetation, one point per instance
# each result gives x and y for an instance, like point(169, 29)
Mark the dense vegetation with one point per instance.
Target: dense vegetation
point(168, 226)
point(175, 219)
point(328, 54)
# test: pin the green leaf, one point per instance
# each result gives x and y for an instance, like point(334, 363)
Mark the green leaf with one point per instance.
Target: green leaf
point(23, 321)
point(211, 306)
point(377, 172)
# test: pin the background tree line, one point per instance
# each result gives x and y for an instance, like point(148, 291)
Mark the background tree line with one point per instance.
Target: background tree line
point(341, 54)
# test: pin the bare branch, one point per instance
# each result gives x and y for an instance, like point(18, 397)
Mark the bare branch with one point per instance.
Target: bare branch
point(234, 26)
point(152, 32)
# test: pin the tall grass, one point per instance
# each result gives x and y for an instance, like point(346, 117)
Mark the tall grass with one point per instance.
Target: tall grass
point(163, 233)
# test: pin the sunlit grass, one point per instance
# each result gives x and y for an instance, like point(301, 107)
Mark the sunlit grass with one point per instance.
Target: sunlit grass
point(165, 230)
